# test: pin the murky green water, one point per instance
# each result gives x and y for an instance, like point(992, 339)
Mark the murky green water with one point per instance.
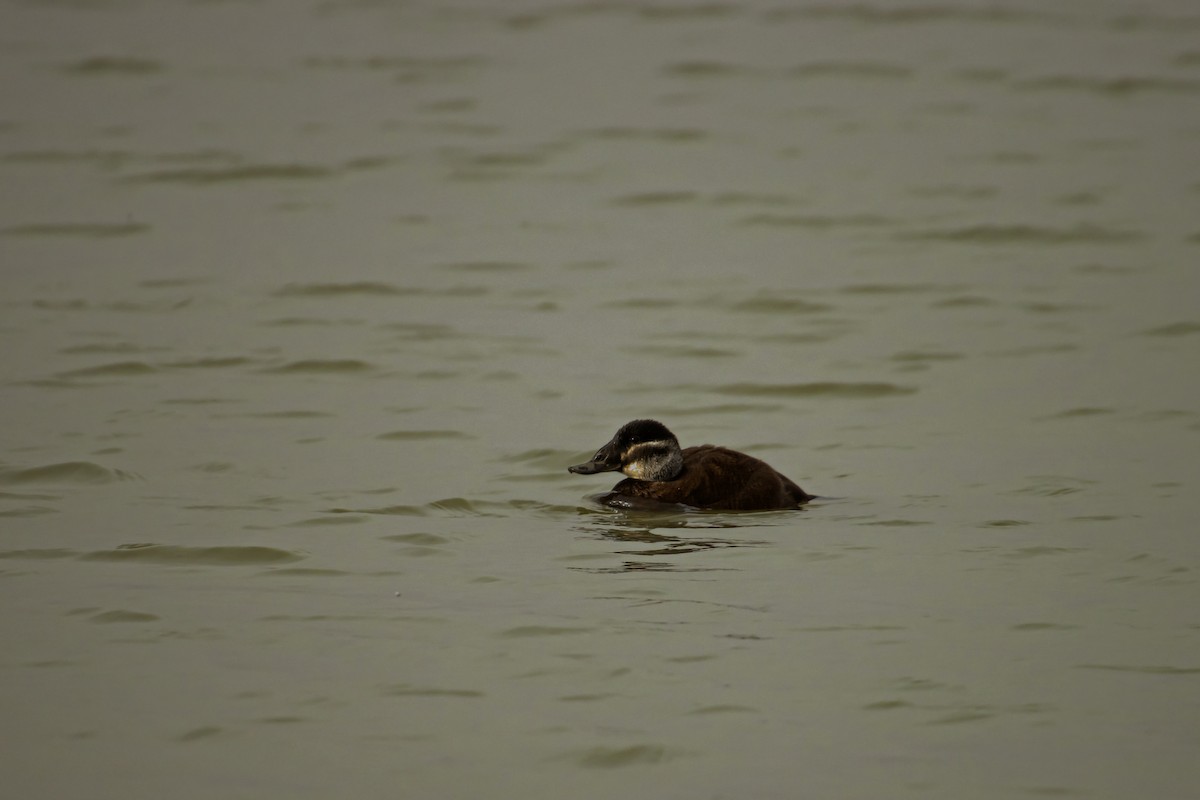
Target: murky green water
point(305, 311)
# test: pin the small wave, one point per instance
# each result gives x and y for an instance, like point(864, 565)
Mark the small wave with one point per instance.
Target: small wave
point(655, 198)
point(874, 14)
point(1083, 233)
point(642, 302)
point(464, 507)
point(964, 301)
point(1034, 350)
point(815, 389)
point(648, 134)
point(1042, 626)
point(200, 176)
point(319, 366)
point(27, 511)
point(120, 306)
point(114, 65)
point(64, 472)
point(898, 288)
point(417, 539)
point(409, 69)
point(1174, 329)
point(418, 435)
point(171, 283)
point(920, 356)
point(399, 510)
point(212, 467)
point(683, 351)
point(405, 690)
point(317, 522)
point(292, 414)
point(614, 757)
point(121, 615)
point(178, 554)
point(43, 554)
point(421, 331)
point(1082, 411)
point(486, 266)
point(212, 362)
point(527, 631)
point(1052, 486)
point(102, 348)
point(369, 288)
point(1117, 87)
point(753, 199)
point(779, 305)
point(306, 572)
point(724, 708)
point(1148, 669)
point(115, 368)
point(461, 506)
point(816, 221)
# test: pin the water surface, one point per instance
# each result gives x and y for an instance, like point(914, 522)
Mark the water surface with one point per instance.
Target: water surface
point(306, 311)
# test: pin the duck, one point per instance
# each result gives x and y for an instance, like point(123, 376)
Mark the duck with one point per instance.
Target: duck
point(706, 476)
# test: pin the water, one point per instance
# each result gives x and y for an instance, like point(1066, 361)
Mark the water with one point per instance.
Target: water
point(306, 311)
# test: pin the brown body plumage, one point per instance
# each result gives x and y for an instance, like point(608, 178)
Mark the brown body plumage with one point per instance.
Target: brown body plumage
point(703, 477)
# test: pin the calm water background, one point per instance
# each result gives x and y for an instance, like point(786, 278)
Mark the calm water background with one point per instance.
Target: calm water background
point(305, 310)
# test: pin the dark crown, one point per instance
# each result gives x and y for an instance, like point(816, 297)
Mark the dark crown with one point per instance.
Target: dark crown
point(644, 430)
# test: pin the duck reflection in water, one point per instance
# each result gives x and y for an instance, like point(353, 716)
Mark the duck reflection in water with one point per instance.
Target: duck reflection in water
point(658, 555)
point(706, 476)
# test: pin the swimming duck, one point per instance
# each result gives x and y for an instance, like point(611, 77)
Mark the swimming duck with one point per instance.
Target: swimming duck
point(702, 477)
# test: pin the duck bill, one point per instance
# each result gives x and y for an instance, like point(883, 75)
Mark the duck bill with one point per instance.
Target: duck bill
point(605, 460)
point(592, 467)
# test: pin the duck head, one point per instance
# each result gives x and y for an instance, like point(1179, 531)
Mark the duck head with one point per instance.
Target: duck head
point(643, 449)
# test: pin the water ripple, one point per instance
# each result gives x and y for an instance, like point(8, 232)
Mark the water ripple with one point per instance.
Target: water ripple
point(115, 368)
point(875, 14)
point(659, 198)
point(374, 288)
point(1116, 87)
point(1150, 669)
point(114, 65)
point(64, 472)
point(817, 221)
point(814, 389)
point(614, 757)
point(1174, 329)
point(648, 134)
point(199, 176)
point(322, 366)
point(407, 69)
point(774, 304)
point(121, 616)
point(177, 554)
point(1083, 233)
point(419, 435)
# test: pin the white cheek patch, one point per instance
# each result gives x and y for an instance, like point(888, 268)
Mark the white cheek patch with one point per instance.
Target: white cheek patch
point(635, 470)
point(642, 468)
